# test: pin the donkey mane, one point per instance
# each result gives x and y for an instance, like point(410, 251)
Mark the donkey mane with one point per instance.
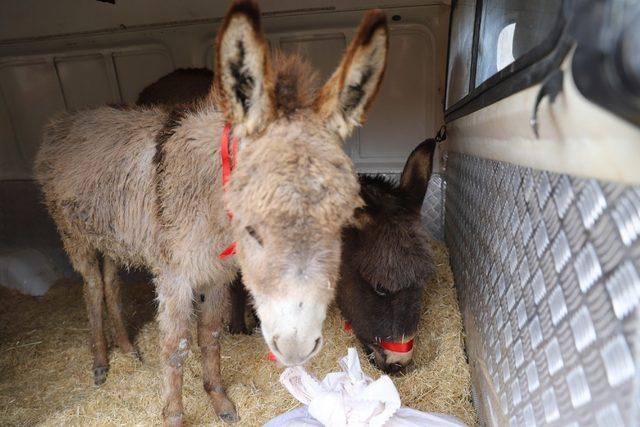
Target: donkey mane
point(394, 250)
point(383, 194)
point(296, 82)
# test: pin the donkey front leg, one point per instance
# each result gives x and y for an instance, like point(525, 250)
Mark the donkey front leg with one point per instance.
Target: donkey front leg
point(174, 311)
point(212, 301)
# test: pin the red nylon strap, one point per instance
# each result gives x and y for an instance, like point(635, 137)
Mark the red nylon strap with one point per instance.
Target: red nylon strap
point(230, 250)
point(228, 164)
point(398, 347)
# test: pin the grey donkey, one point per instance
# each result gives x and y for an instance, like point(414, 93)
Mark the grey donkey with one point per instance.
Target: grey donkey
point(142, 186)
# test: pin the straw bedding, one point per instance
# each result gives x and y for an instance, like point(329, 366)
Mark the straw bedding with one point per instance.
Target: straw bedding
point(45, 359)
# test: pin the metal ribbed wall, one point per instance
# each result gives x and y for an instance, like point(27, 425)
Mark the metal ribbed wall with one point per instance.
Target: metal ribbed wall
point(547, 266)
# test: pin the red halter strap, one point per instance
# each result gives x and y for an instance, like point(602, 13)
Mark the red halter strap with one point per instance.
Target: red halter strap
point(228, 163)
point(398, 347)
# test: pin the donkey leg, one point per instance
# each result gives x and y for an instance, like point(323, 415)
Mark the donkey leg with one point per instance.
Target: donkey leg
point(114, 305)
point(238, 324)
point(85, 261)
point(209, 328)
point(174, 311)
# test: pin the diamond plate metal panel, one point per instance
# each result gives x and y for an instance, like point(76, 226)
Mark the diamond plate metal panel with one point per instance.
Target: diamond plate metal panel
point(433, 205)
point(548, 273)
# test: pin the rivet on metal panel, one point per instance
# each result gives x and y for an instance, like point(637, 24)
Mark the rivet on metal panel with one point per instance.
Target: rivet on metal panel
point(587, 267)
point(506, 373)
point(584, 334)
point(538, 286)
point(609, 416)
point(561, 251)
point(591, 203)
point(624, 289)
point(543, 189)
point(578, 387)
point(557, 305)
point(550, 405)
point(516, 395)
point(528, 416)
point(541, 239)
point(626, 215)
point(535, 332)
point(522, 314)
point(554, 357)
point(618, 361)
point(563, 195)
point(532, 376)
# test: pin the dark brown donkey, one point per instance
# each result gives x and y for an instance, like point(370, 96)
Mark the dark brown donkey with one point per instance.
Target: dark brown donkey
point(143, 186)
point(386, 262)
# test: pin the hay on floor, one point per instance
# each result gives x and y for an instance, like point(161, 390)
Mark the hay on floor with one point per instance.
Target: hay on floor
point(45, 360)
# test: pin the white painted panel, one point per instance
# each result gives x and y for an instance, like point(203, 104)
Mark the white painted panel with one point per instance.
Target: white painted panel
point(48, 18)
point(85, 81)
point(403, 115)
point(114, 66)
point(137, 69)
point(324, 51)
point(32, 93)
point(12, 164)
point(577, 137)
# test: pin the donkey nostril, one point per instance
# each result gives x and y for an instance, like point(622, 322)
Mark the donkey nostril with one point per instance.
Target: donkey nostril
point(392, 368)
point(317, 344)
point(273, 342)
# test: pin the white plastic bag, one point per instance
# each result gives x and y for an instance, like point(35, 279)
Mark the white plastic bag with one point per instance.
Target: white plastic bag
point(350, 398)
point(26, 270)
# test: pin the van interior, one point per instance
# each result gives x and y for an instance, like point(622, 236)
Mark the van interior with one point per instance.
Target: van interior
point(535, 192)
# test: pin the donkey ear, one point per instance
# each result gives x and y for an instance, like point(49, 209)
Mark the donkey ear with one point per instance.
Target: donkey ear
point(416, 173)
point(345, 98)
point(243, 75)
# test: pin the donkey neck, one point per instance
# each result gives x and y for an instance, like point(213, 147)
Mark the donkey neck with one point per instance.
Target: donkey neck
point(190, 176)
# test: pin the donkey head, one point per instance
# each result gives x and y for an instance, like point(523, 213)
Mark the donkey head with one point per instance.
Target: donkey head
point(387, 261)
point(293, 187)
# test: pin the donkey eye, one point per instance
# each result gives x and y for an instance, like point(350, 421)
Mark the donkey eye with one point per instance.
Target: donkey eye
point(253, 233)
point(380, 290)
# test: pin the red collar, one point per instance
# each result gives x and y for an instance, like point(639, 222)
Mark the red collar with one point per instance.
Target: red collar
point(228, 163)
point(398, 347)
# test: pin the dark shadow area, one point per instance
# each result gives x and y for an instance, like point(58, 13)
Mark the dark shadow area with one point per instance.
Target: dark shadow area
point(138, 299)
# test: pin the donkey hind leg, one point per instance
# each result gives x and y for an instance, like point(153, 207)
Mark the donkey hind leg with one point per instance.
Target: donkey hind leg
point(85, 262)
point(114, 306)
point(238, 324)
point(175, 297)
point(209, 328)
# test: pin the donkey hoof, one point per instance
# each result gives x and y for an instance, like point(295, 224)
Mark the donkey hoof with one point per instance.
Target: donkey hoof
point(224, 407)
point(174, 420)
point(100, 375)
point(236, 330)
point(136, 355)
point(229, 417)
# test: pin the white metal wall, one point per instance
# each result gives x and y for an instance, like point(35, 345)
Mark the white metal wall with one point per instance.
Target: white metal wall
point(40, 76)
